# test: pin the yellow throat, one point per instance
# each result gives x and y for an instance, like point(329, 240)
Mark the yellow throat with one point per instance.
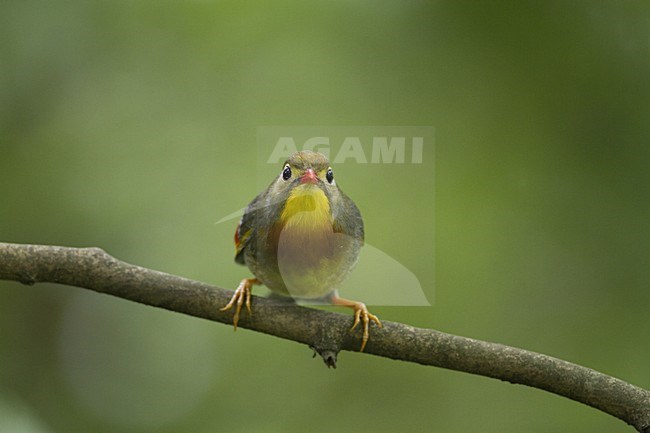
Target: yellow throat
point(307, 209)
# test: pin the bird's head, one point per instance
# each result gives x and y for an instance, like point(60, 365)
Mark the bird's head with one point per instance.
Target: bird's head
point(306, 184)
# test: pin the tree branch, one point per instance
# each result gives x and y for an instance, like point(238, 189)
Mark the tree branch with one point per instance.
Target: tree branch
point(326, 332)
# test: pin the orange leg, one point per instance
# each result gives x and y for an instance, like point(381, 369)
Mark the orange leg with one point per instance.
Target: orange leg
point(361, 314)
point(242, 296)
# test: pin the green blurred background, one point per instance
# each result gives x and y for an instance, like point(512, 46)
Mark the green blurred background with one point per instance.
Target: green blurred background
point(131, 125)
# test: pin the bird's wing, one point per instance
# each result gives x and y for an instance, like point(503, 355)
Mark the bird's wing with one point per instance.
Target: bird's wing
point(349, 222)
point(245, 230)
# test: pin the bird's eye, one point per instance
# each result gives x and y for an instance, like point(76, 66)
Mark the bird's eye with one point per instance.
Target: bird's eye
point(330, 175)
point(286, 173)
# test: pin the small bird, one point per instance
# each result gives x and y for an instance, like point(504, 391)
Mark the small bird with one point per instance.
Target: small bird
point(301, 238)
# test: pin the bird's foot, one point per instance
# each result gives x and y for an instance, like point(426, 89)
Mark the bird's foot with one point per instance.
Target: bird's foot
point(241, 297)
point(361, 315)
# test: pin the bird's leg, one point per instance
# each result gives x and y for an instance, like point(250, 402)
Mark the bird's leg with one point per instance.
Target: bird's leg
point(242, 296)
point(361, 314)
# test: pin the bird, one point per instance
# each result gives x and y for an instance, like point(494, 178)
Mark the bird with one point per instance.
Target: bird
point(301, 237)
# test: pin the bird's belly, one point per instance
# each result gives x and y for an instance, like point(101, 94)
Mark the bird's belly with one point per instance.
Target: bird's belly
point(308, 265)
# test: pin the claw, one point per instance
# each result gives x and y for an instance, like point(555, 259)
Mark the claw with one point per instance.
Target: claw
point(361, 314)
point(365, 316)
point(241, 296)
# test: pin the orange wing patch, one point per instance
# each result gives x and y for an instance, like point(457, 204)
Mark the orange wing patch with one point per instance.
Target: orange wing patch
point(241, 239)
point(237, 235)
